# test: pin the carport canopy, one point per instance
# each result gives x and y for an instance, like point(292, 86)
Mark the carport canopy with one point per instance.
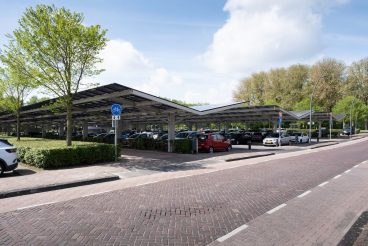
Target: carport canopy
point(93, 106)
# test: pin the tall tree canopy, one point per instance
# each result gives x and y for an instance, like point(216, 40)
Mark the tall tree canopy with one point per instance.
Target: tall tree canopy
point(327, 81)
point(60, 51)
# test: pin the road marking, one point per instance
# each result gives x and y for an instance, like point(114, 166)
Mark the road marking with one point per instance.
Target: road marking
point(347, 171)
point(97, 193)
point(277, 208)
point(356, 166)
point(304, 194)
point(337, 176)
point(232, 233)
point(323, 184)
point(36, 205)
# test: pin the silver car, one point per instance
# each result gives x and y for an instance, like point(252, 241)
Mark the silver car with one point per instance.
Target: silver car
point(273, 139)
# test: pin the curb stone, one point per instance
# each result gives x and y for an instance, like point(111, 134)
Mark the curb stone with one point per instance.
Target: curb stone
point(57, 186)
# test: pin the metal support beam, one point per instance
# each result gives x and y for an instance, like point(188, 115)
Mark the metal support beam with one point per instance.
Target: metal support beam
point(85, 130)
point(171, 131)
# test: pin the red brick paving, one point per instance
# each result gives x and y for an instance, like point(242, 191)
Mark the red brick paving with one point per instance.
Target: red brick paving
point(188, 211)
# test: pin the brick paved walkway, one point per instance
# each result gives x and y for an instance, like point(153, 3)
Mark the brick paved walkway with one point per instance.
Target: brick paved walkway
point(187, 211)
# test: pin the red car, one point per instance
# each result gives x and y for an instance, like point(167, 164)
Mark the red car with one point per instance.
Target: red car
point(213, 142)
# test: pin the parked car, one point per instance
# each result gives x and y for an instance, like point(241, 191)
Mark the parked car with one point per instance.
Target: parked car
point(100, 136)
point(299, 137)
point(213, 142)
point(186, 134)
point(257, 137)
point(273, 139)
point(8, 156)
point(239, 138)
point(346, 131)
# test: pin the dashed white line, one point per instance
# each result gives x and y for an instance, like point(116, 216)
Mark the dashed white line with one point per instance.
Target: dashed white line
point(337, 176)
point(36, 205)
point(347, 171)
point(323, 184)
point(232, 233)
point(304, 194)
point(356, 166)
point(276, 208)
point(97, 193)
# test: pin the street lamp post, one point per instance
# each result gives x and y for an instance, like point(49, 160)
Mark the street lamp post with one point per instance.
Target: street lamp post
point(310, 119)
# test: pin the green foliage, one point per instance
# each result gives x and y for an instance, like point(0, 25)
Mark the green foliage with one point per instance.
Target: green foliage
point(358, 79)
point(186, 104)
point(35, 99)
point(67, 156)
point(351, 106)
point(282, 86)
point(327, 82)
point(59, 51)
point(183, 146)
point(305, 105)
point(179, 145)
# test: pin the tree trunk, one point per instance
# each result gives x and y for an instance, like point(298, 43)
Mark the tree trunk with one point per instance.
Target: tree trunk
point(69, 124)
point(18, 125)
point(366, 124)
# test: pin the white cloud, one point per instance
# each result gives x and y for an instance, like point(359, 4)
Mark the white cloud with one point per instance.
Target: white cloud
point(124, 64)
point(265, 33)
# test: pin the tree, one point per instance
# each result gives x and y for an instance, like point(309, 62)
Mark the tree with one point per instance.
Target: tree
point(15, 89)
point(252, 89)
point(327, 82)
point(352, 107)
point(35, 99)
point(60, 51)
point(358, 82)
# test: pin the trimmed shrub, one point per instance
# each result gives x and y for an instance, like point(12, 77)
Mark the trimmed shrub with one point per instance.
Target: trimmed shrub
point(69, 156)
point(179, 145)
point(183, 146)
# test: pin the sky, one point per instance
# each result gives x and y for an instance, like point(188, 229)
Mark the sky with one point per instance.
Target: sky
point(199, 50)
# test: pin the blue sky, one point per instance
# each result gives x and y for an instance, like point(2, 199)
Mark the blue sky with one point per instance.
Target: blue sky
point(198, 50)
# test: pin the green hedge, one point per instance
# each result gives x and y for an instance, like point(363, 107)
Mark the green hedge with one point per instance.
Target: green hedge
point(179, 145)
point(67, 156)
point(183, 146)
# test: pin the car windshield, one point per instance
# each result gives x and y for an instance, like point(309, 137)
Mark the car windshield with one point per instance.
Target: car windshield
point(273, 135)
point(297, 134)
point(182, 135)
point(134, 135)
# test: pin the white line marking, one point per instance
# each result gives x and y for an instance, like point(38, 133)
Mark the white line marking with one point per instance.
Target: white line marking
point(36, 205)
point(347, 171)
point(97, 193)
point(276, 208)
point(323, 184)
point(356, 166)
point(232, 233)
point(304, 194)
point(337, 176)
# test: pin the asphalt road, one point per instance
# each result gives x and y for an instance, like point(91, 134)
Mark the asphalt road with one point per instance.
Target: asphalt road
point(187, 211)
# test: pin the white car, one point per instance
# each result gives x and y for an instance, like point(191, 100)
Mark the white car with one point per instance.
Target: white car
point(8, 156)
point(273, 139)
point(300, 137)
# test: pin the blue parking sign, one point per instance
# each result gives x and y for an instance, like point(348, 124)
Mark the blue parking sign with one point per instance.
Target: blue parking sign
point(116, 109)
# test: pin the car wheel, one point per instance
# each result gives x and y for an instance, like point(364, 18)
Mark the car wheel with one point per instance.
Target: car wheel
point(228, 148)
point(2, 169)
point(210, 150)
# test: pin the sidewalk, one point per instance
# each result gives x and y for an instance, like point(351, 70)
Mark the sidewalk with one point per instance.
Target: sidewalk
point(320, 216)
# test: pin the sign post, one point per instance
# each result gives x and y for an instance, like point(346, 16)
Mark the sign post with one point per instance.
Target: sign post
point(280, 122)
point(116, 113)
